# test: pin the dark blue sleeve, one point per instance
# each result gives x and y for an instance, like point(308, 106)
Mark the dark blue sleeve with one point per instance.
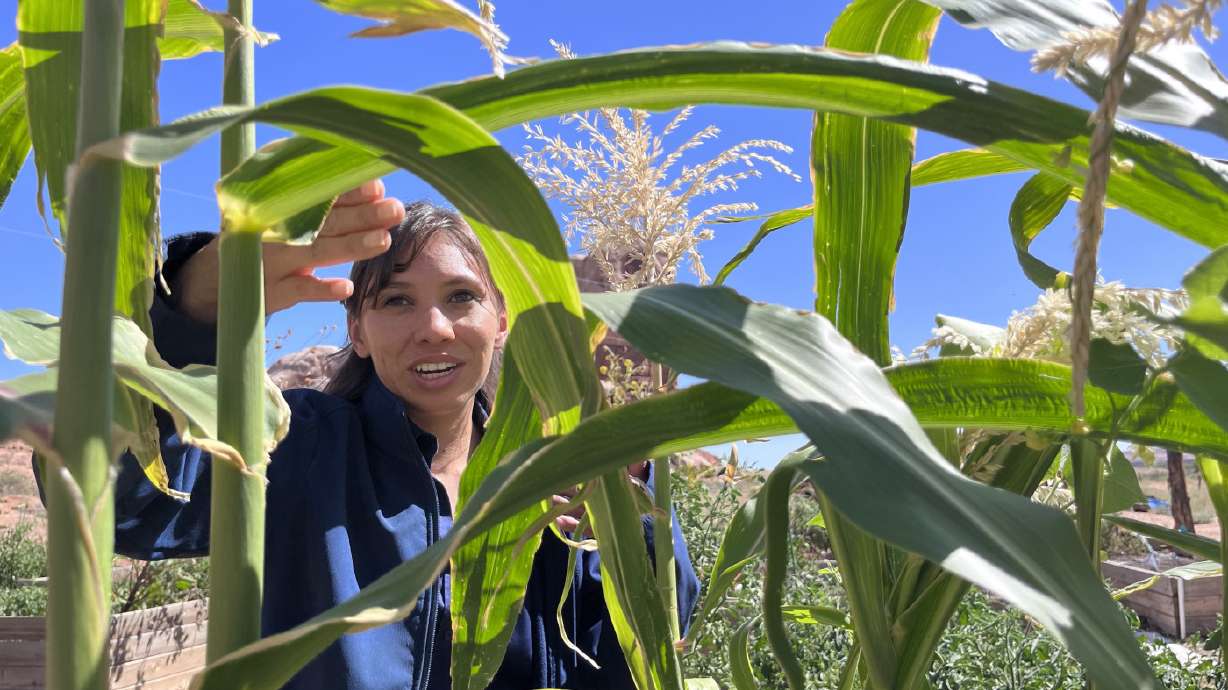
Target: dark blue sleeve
point(595, 632)
point(149, 524)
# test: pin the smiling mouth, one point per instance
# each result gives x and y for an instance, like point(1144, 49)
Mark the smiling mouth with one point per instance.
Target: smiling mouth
point(434, 371)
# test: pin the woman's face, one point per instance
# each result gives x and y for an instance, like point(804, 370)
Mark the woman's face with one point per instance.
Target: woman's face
point(431, 331)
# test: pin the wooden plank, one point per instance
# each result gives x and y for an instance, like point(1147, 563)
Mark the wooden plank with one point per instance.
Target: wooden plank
point(178, 681)
point(160, 618)
point(21, 678)
point(1204, 586)
point(29, 628)
point(21, 653)
point(1148, 599)
point(142, 671)
point(1125, 576)
point(23, 628)
point(123, 649)
point(1200, 624)
point(148, 644)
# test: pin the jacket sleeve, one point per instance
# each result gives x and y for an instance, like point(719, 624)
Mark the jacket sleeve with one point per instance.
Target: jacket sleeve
point(595, 632)
point(149, 524)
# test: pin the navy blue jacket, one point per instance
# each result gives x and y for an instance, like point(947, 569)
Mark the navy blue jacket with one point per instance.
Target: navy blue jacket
point(350, 496)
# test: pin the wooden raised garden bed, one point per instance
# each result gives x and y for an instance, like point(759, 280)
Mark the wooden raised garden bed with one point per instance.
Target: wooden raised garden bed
point(1175, 606)
point(154, 649)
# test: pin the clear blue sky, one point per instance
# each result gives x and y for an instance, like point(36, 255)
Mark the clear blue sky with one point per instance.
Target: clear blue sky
point(956, 258)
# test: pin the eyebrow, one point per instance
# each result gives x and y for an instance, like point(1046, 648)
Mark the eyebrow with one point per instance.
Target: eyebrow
point(451, 282)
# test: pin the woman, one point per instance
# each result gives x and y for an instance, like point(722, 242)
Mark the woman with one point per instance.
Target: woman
point(370, 470)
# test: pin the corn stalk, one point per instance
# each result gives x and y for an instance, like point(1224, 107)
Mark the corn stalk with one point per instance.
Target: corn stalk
point(663, 527)
point(80, 510)
point(236, 566)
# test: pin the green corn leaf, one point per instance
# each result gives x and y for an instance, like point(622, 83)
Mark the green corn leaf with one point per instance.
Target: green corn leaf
point(14, 133)
point(1022, 395)
point(775, 494)
point(1087, 461)
point(1174, 83)
point(1036, 132)
point(880, 470)
point(861, 169)
point(49, 33)
point(627, 577)
point(50, 39)
point(1036, 204)
point(1121, 487)
point(315, 170)
point(964, 164)
point(28, 402)
point(1213, 473)
point(1209, 278)
point(1116, 367)
point(488, 577)
point(816, 615)
point(938, 593)
point(188, 394)
point(1192, 543)
point(740, 672)
point(1204, 381)
point(741, 545)
point(1206, 320)
point(27, 409)
point(190, 29)
point(774, 222)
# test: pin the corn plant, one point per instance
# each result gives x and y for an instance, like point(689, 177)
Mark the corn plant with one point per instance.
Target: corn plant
point(236, 566)
point(915, 519)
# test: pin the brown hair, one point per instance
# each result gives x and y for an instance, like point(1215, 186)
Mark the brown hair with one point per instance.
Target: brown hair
point(423, 221)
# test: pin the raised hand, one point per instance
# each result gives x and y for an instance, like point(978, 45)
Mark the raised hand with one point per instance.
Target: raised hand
point(356, 228)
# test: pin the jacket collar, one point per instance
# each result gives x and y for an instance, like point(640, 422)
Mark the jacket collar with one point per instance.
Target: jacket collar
point(390, 429)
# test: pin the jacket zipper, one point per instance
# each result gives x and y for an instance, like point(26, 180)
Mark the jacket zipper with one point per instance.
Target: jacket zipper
point(432, 536)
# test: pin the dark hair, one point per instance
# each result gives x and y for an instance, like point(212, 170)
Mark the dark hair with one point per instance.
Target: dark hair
point(423, 221)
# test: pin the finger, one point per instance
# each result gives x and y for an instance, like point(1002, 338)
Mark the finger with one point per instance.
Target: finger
point(576, 512)
point(308, 288)
point(345, 220)
point(567, 523)
point(327, 251)
point(362, 194)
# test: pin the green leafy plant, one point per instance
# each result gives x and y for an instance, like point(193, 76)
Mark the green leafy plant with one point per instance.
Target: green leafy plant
point(141, 584)
point(920, 478)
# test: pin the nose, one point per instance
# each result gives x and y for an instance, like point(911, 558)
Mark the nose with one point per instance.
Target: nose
point(434, 327)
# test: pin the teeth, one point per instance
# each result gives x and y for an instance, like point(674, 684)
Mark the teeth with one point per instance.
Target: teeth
point(434, 367)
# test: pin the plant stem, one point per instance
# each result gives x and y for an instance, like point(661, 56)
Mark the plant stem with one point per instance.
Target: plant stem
point(236, 566)
point(663, 529)
point(1213, 473)
point(81, 518)
point(1223, 558)
point(1087, 459)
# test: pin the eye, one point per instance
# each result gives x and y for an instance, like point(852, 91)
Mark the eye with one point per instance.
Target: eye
point(464, 296)
point(395, 300)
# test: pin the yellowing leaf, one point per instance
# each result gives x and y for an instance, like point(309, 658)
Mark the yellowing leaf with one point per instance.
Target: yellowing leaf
point(400, 17)
point(190, 29)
